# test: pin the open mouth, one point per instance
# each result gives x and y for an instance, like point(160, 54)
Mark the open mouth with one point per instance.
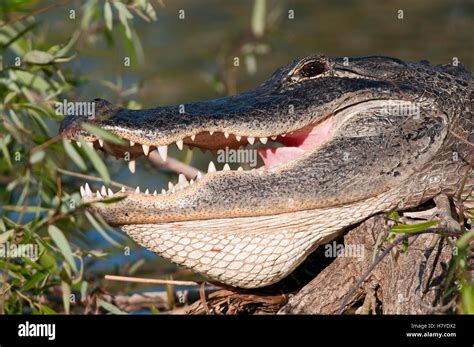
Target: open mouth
point(274, 151)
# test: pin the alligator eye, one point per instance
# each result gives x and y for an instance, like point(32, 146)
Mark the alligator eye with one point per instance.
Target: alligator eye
point(312, 69)
point(308, 70)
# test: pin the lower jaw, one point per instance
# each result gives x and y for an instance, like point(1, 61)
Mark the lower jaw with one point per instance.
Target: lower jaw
point(245, 252)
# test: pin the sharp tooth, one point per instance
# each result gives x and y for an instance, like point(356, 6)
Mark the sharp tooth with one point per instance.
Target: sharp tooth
point(101, 143)
point(110, 192)
point(131, 166)
point(83, 192)
point(182, 180)
point(155, 193)
point(78, 144)
point(147, 192)
point(240, 168)
point(211, 168)
point(251, 140)
point(179, 144)
point(238, 137)
point(163, 151)
point(191, 181)
point(283, 135)
point(137, 190)
point(199, 175)
point(226, 135)
point(211, 132)
point(88, 190)
point(122, 190)
point(263, 140)
point(274, 138)
point(98, 195)
point(103, 191)
point(226, 167)
point(146, 149)
point(163, 192)
point(132, 143)
point(170, 186)
point(193, 137)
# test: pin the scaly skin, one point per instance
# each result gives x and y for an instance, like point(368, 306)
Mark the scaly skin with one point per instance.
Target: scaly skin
point(400, 134)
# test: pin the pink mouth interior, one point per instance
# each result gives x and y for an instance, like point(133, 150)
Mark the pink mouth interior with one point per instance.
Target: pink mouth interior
point(297, 144)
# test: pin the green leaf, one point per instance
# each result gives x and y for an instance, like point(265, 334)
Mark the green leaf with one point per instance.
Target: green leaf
point(464, 240)
point(100, 229)
point(64, 59)
point(74, 155)
point(5, 236)
point(19, 35)
point(3, 147)
point(467, 293)
point(38, 58)
point(394, 215)
point(103, 134)
point(149, 10)
point(46, 309)
point(96, 161)
point(124, 16)
point(123, 10)
point(39, 276)
point(110, 307)
point(258, 17)
point(413, 228)
point(108, 15)
point(48, 261)
point(37, 157)
point(62, 243)
point(62, 52)
point(84, 286)
point(31, 80)
point(66, 289)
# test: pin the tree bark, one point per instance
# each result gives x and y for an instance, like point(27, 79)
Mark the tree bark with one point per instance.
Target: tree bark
point(406, 281)
point(409, 280)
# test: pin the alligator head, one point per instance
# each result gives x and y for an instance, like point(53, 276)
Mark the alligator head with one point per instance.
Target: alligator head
point(340, 139)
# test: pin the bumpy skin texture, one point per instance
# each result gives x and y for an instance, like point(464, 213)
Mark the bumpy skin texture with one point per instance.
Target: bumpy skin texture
point(403, 134)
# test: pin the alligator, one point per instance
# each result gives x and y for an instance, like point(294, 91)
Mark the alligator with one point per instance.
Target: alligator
point(340, 140)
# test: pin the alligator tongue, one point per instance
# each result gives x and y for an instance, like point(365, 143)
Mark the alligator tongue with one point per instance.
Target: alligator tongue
point(296, 144)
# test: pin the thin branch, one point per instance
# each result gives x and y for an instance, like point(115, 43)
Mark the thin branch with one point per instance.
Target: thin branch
point(47, 143)
point(202, 296)
point(150, 280)
point(91, 178)
point(387, 251)
point(35, 13)
point(173, 165)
